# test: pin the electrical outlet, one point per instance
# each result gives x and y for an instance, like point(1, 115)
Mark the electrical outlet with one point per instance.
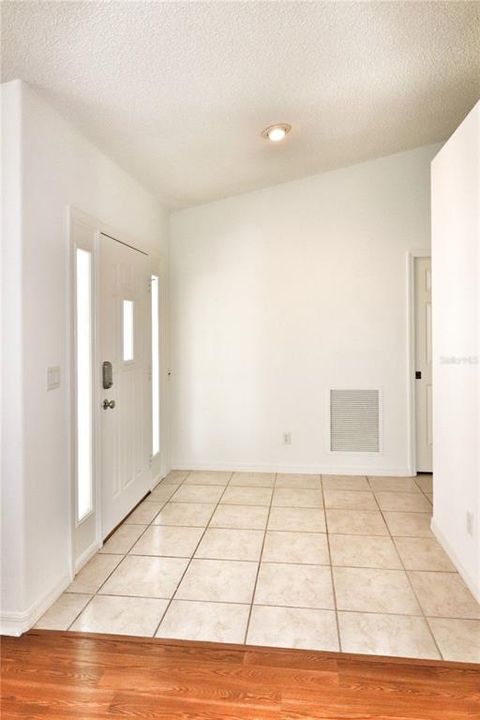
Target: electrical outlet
point(470, 523)
point(287, 438)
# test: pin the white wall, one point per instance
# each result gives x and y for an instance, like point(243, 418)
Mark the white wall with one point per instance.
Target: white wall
point(456, 345)
point(12, 416)
point(59, 168)
point(281, 294)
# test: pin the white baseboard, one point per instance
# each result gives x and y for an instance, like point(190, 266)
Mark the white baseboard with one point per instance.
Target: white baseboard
point(16, 623)
point(87, 555)
point(158, 478)
point(472, 583)
point(296, 469)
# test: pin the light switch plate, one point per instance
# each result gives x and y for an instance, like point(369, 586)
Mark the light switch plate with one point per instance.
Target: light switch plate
point(53, 377)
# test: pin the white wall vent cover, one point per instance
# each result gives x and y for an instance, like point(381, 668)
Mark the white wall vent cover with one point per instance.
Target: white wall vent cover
point(354, 420)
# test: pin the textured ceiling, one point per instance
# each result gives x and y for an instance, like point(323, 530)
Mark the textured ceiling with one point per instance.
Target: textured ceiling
point(178, 92)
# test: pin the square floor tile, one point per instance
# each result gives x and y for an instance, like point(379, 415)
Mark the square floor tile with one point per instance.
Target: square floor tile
point(405, 524)
point(425, 483)
point(458, 640)
point(210, 477)
point(345, 482)
point(297, 519)
point(63, 612)
point(423, 554)
point(296, 547)
point(187, 514)
point(175, 476)
point(293, 497)
point(308, 586)
point(168, 541)
point(350, 500)
point(144, 514)
point(198, 494)
point(231, 544)
point(403, 502)
point(156, 577)
point(162, 493)
point(247, 496)
point(393, 635)
point(299, 481)
point(247, 479)
point(393, 484)
point(293, 628)
point(123, 539)
point(245, 517)
point(356, 522)
point(218, 580)
point(94, 573)
point(206, 621)
point(444, 595)
point(373, 590)
point(368, 551)
point(121, 616)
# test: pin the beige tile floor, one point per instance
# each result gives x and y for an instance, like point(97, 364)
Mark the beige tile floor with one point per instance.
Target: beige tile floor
point(327, 563)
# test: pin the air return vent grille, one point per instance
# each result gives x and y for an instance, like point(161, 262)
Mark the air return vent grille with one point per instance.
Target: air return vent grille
point(354, 420)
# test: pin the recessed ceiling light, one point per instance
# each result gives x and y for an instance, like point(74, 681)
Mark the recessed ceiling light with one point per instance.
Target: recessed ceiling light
point(276, 133)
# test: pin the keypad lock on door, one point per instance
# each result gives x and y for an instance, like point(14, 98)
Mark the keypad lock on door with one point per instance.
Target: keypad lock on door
point(107, 375)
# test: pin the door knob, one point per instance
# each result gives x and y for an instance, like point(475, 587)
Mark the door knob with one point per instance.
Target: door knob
point(108, 404)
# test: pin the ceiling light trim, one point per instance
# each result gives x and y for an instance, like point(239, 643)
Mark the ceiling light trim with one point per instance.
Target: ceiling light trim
point(271, 130)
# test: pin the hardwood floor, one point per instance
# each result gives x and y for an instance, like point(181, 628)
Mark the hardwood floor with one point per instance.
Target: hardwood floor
point(60, 675)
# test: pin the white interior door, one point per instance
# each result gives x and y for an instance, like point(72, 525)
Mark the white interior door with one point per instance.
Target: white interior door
point(423, 363)
point(126, 412)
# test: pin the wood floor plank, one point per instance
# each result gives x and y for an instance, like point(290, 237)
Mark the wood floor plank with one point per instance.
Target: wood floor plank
point(83, 676)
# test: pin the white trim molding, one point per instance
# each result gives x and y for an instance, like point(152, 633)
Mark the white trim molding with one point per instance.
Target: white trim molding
point(472, 584)
point(410, 345)
point(16, 623)
point(87, 555)
point(297, 469)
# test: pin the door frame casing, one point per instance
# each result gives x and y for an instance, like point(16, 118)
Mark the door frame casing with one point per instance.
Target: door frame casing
point(412, 255)
point(75, 215)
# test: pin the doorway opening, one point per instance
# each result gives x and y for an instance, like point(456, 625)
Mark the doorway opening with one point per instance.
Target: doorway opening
point(420, 277)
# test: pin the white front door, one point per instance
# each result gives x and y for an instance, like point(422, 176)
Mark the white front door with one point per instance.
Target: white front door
point(126, 411)
point(423, 363)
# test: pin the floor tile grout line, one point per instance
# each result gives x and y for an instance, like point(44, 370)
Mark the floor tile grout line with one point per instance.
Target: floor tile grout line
point(247, 627)
point(295, 607)
point(190, 559)
point(284, 530)
point(117, 565)
point(275, 562)
point(332, 578)
point(423, 491)
point(96, 591)
point(299, 507)
point(411, 585)
point(392, 537)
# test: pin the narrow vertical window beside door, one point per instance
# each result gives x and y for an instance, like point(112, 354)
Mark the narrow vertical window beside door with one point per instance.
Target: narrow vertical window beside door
point(84, 382)
point(155, 368)
point(127, 330)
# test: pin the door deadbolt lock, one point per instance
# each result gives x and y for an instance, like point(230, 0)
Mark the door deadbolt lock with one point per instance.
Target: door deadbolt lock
point(107, 375)
point(108, 404)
